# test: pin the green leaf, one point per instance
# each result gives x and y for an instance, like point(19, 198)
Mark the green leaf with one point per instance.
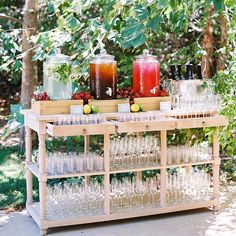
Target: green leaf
point(134, 41)
point(61, 22)
point(164, 3)
point(17, 65)
point(219, 4)
point(139, 40)
point(51, 8)
point(74, 23)
point(39, 55)
point(141, 12)
point(132, 28)
point(154, 22)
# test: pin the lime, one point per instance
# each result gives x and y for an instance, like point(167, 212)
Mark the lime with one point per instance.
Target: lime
point(141, 107)
point(134, 107)
point(87, 109)
point(95, 109)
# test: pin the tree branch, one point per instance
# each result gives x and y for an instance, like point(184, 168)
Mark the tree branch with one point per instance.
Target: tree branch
point(10, 18)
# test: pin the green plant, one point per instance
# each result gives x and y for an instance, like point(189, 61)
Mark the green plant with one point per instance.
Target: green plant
point(64, 70)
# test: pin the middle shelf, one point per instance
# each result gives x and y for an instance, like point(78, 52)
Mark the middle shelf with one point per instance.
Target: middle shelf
point(33, 167)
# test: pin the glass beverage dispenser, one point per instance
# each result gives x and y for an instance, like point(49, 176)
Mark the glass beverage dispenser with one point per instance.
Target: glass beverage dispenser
point(146, 74)
point(103, 76)
point(56, 76)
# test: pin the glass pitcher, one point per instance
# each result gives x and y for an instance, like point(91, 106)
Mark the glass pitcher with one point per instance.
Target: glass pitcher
point(56, 76)
point(146, 74)
point(103, 76)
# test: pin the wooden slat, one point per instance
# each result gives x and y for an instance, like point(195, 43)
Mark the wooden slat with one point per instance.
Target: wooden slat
point(139, 169)
point(54, 107)
point(108, 106)
point(190, 164)
point(151, 103)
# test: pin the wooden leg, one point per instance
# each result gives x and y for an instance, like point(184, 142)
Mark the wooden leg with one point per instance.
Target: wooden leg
point(139, 176)
point(188, 170)
point(107, 173)
point(43, 179)
point(163, 171)
point(43, 232)
point(86, 151)
point(216, 169)
point(29, 176)
point(139, 173)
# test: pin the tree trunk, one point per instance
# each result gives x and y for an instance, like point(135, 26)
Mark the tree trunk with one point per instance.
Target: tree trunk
point(221, 60)
point(207, 44)
point(29, 72)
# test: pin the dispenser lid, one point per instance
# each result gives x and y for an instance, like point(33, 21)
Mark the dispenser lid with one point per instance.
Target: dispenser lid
point(58, 57)
point(146, 56)
point(103, 56)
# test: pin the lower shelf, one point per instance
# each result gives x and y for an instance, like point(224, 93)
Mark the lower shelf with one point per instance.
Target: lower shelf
point(33, 210)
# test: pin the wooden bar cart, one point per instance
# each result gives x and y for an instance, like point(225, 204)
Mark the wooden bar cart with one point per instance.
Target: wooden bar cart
point(43, 125)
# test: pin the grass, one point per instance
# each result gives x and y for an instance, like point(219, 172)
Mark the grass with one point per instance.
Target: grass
point(12, 179)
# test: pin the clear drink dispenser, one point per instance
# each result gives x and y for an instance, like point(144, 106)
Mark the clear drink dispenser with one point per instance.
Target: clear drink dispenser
point(56, 76)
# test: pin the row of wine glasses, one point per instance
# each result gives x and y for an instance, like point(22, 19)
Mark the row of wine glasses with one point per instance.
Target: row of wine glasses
point(73, 200)
point(187, 154)
point(128, 194)
point(145, 116)
point(186, 187)
point(80, 119)
point(133, 152)
point(196, 106)
point(62, 163)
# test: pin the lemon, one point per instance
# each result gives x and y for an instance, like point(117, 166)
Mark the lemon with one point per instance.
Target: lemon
point(134, 107)
point(95, 109)
point(87, 109)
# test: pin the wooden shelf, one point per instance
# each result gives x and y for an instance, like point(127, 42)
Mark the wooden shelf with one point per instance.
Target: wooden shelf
point(33, 167)
point(190, 164)
point(33, 210)
point(136, 169)
point(35, 170)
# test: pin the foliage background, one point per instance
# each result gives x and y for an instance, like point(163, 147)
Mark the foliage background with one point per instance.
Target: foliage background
point(174, 30)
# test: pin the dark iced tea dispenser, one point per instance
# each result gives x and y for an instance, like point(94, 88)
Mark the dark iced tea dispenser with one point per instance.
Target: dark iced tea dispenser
point(103, 76)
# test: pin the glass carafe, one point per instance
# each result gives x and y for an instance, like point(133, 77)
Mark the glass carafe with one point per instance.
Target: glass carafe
point(57, 76)
point(103, 76)
point(146, 74)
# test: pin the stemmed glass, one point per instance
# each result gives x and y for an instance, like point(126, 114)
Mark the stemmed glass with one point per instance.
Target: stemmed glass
point(134, 152)
point(188, 187)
